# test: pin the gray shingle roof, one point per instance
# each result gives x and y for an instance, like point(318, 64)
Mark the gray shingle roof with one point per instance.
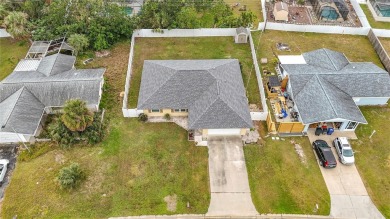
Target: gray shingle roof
point(211, 90)
point(21, 112)
point(57, 63)
point(24, 94)
point(323, 88)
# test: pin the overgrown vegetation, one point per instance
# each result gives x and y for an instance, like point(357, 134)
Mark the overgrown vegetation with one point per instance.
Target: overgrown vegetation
point(129, 173)
point(70, 177)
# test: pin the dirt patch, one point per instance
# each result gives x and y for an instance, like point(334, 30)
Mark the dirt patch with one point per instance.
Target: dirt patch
point(299, 150)
point(171, 201)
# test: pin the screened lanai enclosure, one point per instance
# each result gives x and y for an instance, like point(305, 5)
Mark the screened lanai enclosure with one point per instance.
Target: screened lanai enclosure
point(330, 10)
point(381, 7)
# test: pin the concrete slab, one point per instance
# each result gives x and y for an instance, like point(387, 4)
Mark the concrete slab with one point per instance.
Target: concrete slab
point(230, 192)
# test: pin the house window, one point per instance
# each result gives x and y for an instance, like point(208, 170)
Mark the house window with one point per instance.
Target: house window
point(351, 125)
point(180, 110)
point(154, 110)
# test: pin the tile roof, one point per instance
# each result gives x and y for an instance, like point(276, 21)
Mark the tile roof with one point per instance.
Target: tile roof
point(211, 90)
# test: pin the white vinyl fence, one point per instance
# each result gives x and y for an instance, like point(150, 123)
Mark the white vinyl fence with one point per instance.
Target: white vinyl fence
point(203, 32)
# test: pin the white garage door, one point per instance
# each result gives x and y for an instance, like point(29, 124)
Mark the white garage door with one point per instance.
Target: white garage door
point(224, 131)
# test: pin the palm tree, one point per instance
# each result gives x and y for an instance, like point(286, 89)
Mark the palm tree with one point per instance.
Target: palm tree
point(16, 24)
point(76, 115)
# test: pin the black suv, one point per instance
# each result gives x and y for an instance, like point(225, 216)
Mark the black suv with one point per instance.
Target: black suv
point(324, 154)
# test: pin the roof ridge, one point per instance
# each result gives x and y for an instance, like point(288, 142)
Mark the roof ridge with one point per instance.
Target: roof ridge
point(14, 104)
point(243, 119)
point(200, 116)
point(326, 94)
point(162, 84)
point(326, 52)
point(312, 75)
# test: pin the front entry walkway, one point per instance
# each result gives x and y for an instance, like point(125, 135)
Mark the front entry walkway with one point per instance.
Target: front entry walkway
point(348, 196)
point(230, 193)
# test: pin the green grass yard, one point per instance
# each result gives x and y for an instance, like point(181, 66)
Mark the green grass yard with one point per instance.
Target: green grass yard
point(129, 173)
point(373, 156)
point(371, 20)
point(193, 48)
point(11, 52)
point(281, 183)
point(386, 44)
point(356, 48)
point(251, 5)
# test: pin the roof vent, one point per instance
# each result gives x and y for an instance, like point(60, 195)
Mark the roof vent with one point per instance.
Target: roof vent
point(353, 67)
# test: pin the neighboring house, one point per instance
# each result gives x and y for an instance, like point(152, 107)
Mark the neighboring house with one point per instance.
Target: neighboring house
point(280, 11)
point(41, 84)
point(326, 87)
point(380, 9)
point(330, 10)
point(210, 93)
point(242, 35)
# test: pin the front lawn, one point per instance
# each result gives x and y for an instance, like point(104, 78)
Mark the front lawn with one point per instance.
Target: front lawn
point(371, 20)
point(129, 173)
point(11, 52)
point(356, 48)
point(281, 183)
point(373, 155)
point(192, 48)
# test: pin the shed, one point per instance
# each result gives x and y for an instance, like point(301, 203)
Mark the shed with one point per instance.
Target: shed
point(241, 35)
point(281, 11)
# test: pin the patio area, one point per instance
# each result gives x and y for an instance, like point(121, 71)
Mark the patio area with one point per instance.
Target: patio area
point(181, 121)
point(330, 138)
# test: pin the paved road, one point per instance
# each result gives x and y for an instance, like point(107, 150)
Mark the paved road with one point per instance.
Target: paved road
point(230, 193)
point(348, 195)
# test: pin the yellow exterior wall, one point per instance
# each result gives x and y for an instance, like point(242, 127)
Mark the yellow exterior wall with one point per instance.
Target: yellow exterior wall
point(165, 111)
point(243, 131)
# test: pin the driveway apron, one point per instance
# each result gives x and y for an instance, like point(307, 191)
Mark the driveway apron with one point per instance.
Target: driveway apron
point(230, 193)
point(348, 195)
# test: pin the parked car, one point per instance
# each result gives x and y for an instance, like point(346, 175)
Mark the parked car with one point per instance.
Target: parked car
point(324, 154)
point(344, 150)
point(3, 169)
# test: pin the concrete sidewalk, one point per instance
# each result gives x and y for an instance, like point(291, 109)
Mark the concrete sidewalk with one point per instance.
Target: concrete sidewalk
point(230, 193)
point(348, 195)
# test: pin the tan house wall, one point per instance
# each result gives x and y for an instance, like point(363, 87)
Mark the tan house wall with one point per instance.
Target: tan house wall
point(243, 131)
point(165, 111)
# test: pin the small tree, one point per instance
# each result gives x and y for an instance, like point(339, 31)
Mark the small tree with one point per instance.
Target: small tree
point(16, 24)
point(3, 12)
point(76, 115)
point(71, 176)
point(79, 42)
point(167, 116)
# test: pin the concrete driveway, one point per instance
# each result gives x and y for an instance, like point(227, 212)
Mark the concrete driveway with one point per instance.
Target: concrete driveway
point(348, 195)
point(230, 193)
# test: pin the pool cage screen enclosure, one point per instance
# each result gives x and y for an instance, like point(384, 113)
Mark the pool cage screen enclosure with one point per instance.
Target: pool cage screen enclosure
point(381, 7)
point(330, 10)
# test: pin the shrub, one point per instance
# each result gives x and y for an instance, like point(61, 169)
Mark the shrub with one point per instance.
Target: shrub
point(71, 176)
point(143, 117)
point(167, 117)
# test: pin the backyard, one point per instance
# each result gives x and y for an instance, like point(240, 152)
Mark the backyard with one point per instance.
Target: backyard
point(251, 5)
point(129, 173)
point(371, 20)
point(386, 43)
point(373, 155)
point(11, 52)
point(193, 48)
point(304, 42)
point(281, 182)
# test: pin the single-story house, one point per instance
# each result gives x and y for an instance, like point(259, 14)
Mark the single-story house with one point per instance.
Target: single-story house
point(326, 87)
point(41, 84)
point(210, 93)
point(280, 11)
